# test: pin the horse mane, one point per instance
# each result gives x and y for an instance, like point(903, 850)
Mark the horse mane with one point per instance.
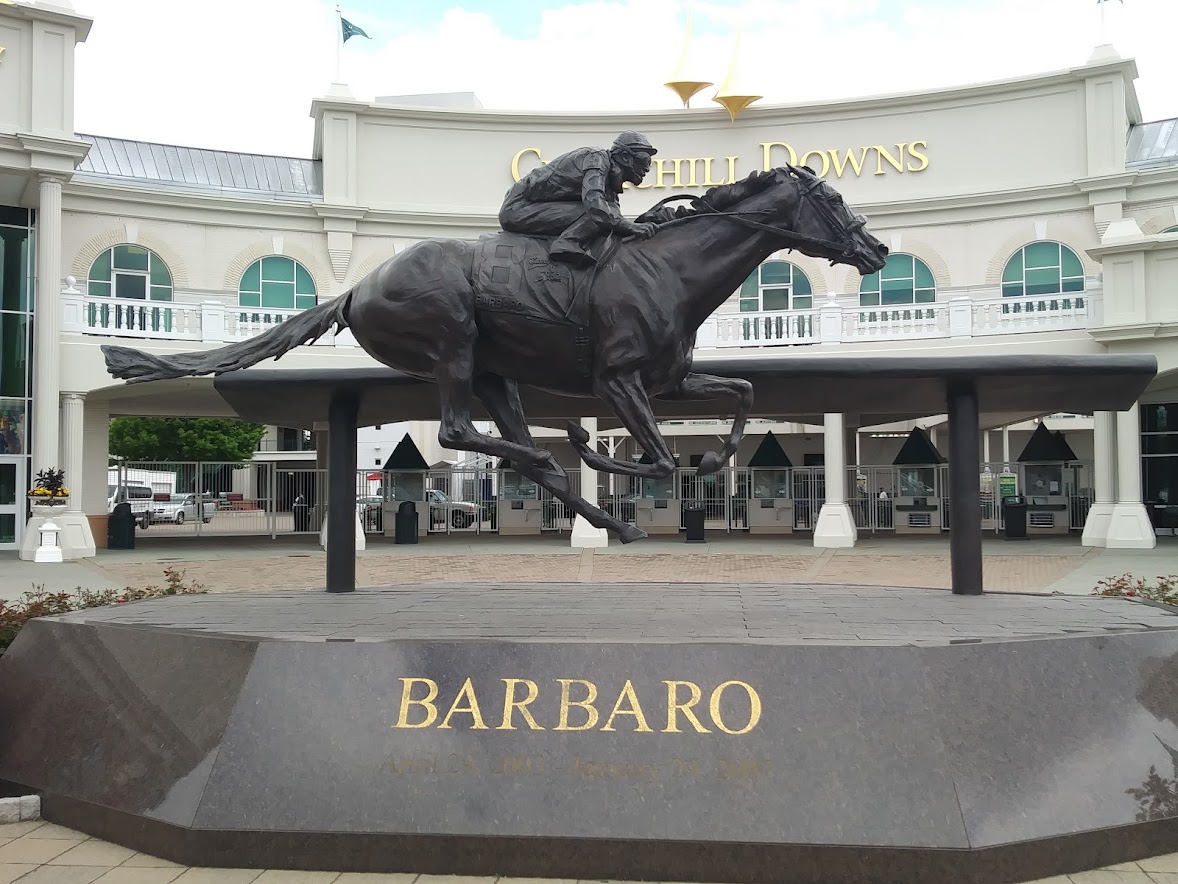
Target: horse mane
point(718, 198)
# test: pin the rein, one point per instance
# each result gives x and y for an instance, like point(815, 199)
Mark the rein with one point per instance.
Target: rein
point(845, 248)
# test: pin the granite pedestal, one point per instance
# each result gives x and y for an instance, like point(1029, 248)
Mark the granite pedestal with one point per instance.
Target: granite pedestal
point(659, 732)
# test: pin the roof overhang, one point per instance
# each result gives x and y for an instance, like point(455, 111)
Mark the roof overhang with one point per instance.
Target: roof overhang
point(870, 390)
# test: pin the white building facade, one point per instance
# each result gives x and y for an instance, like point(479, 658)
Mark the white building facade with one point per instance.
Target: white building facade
point(1037, 215)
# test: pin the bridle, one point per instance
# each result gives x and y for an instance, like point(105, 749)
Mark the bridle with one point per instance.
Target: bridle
point(809, 192)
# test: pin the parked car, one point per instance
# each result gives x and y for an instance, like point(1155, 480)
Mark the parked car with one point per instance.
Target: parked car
point(138, 496)
point(182, 510)
point(462, 513)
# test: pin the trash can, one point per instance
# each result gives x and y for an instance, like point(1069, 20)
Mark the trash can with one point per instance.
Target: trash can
point(302, 516)
point(405, 523)
point(693, 521)
point(1014, 517)
point(120, 527)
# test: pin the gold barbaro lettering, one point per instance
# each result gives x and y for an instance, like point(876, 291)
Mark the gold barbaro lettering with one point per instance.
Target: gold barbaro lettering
point(578, 710)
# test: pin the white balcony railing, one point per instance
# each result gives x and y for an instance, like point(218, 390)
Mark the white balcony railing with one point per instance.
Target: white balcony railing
point(963, 315)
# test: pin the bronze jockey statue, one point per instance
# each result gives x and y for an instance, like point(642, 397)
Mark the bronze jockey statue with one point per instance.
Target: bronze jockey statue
point(575, 197)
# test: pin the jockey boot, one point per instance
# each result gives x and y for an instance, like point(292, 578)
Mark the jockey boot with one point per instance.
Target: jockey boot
point(569, 251)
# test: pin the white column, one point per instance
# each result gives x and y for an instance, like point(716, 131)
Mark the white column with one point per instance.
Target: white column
point(985, 447)
point(71, 438)
point(584, 535)
point(91, 485)
point(76, 538)
point(47, 327)
point(1129, 525)
point(1104, 474)
point(1006, 447)
point(835, 527)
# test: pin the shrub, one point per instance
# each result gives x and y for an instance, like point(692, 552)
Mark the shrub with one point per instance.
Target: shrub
point(1126, 586)
point(39, 603)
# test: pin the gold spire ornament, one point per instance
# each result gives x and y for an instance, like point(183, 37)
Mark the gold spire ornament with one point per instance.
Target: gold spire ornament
point(681, 83)
point(729, 93)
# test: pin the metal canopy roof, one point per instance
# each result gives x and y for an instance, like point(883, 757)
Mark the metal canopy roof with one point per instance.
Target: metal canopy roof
point(198, 170)
point(1152, 144)
point(872, 389)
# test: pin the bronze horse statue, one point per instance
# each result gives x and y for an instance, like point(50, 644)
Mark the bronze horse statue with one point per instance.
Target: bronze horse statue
point(478, 318)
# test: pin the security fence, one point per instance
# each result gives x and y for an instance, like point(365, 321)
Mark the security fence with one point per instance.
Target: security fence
point(192, 499)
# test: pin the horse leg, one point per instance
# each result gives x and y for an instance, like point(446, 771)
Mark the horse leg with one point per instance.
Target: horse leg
point(455, 379)
point(707, 386)
point(627, 398)
point(500, 396)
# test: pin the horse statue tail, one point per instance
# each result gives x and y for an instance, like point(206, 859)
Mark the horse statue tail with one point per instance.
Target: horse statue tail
point(305, 328)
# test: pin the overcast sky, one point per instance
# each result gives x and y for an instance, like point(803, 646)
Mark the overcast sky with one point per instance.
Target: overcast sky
point(240, 74)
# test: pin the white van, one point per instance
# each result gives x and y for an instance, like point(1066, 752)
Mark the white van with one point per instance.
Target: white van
point(139, 496)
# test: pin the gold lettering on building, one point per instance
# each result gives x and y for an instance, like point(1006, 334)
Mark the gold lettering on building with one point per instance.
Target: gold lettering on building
point(420, 707)
point(687, 172)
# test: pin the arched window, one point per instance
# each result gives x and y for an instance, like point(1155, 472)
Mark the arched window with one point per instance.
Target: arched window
point(776, 285)
point(1042, 268)
point(277, 282)
point(130, 271)
point(905, 279)
point(1173, 229)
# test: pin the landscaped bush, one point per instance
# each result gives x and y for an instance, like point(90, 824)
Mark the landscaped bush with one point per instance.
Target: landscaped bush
point(1128, 586)
point(39, 603)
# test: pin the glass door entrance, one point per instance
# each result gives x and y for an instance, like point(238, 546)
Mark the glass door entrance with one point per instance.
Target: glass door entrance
point(12, 501)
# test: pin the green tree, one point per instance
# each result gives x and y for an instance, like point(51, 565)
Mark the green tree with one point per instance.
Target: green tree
point(184, 439)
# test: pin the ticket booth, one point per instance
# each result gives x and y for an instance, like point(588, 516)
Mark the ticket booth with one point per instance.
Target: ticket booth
point(770, 505)
point(1043, 466)
point(519, 510)
point(404, 479)
point(918, 502)
point(657, 509)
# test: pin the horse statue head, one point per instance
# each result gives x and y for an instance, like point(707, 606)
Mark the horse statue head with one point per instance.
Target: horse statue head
point(798, 206)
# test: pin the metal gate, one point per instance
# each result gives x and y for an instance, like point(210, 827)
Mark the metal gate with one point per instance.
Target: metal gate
point(555, 514)
point(871, 495)
point(194, 498)
point(723, 494)
point(809, 492)
point(460, 501)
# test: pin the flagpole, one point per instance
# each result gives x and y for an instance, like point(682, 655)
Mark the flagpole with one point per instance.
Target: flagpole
point(339, 34)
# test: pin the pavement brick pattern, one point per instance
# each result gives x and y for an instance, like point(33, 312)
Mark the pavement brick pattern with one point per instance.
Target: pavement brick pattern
point(43, 853)
point(380, 568)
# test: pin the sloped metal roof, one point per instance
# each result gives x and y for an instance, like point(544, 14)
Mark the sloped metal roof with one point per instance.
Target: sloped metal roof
point(199, 170)
point(1153, 144)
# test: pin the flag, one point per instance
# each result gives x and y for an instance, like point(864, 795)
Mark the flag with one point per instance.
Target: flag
point(350, 30)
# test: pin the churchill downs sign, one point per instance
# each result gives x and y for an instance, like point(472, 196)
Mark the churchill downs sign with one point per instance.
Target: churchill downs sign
point(876, 159)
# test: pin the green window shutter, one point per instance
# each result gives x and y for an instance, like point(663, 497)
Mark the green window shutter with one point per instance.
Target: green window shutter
point(100, 269)
point(1071, 265)
point(775, 273)
point(304, 285)
point(924, 276)
point(128, 257)
point(1040, 255)
point(160, 275)
point(278, 294)
point(775, 298)
point(897, 267)
point(251, 281)
point(277, 268)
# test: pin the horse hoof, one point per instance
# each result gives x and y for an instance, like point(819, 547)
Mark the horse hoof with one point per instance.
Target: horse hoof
point(578, 434)
point(709, 464)
point(631, 533)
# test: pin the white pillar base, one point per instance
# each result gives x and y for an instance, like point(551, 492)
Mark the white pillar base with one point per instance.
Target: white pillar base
point(1097, 524)
point(361, 543)
point(75, 538)
point(836, 527)
point(585, 536)
point(1129, 528)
